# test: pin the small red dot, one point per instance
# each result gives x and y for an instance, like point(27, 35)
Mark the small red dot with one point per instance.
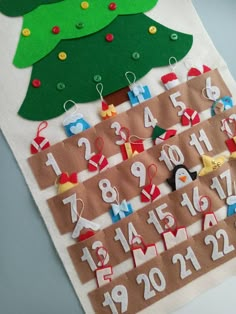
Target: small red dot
point(109, 37)
point(36, 83)
point(112, 6)
point(56, 30)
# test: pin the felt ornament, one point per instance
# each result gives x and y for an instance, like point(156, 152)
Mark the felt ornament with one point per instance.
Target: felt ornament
point(197, 70)
point(231, 208)
point(150, 192)
point(98, 161)
point(181, 176)
point(141, 251)
point(209, 218)
point(210, 164)
point(174, 235)
point(17, 8)
point(138, 93)
point(170, 80)
point(159, 134)
point(104, 272)
point(39, 143)
point(64, 20)
point(190, 117)
point(121, 210)
point(130, 148)
point(231, 141)
point(84, 229)
point(107, 111)
point(74, 123)
point(74, 66)
point(66, 182)
point(221, 105)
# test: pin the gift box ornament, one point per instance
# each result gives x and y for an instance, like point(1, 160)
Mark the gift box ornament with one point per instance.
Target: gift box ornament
point(98, 161)
point(74, 123)
point(159, 134)
point(138, 93)
point(221, 105)
point(66, 182)
point(174, 235)
point(130, 148)
point(121, 210)
point(104, 272)
point(141, 251)
point(84, 228)
point(39, 143)
point(107, 111)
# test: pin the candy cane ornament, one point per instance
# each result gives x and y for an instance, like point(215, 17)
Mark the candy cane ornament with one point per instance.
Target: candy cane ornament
point(98, 161)
point(39, 143)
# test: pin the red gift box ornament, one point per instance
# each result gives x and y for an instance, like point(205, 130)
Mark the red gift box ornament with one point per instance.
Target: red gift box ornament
point(150, 192)
point(104, 272)
point(107, 111)
point(39, 143)
point(142, 252)
point(174, 235)
point(130, 148)
point(209, 218)
point(231, 141)
point(98, 161)
point(84, 228)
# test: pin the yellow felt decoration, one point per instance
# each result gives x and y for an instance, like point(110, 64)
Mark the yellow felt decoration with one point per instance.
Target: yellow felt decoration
point(109, 112)
point(210, 164)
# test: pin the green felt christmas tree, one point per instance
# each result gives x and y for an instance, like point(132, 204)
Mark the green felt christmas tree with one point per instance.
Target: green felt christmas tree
point(100, 42)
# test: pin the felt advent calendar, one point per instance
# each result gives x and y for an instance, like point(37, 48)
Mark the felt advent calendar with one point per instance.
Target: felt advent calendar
point(127, 143)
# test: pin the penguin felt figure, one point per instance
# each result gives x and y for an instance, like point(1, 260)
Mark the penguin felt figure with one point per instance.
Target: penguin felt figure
point(181, 177)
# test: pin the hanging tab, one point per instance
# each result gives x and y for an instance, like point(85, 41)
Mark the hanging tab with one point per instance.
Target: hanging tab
point(107, 111)
point(98, 161)
point(138, 93)
point(74, 123)
point(104, 272)
point(142, 252)
point(150, 192)
point(171, 80)
point(39, 143)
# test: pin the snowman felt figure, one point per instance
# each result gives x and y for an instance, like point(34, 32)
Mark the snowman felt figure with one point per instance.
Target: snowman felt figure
point(181, 177)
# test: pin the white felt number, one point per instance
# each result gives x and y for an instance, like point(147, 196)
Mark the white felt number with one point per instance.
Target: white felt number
point(150, 283)
point(72, 200)
point(118, 294)
point(131, 234)
point(109, 194)
point(194, 206)
point(176, 103)
point(172, 157)
point(213, 92)
point(155, 217)
point(218, 187)
point(197, 142)
point(225, 125)
point(139, 171)
point(190, 256)
point(87, 257)
point(117, 127)
point(52, 162)
point(84, 141)
point(216, 254)
point(149, 120)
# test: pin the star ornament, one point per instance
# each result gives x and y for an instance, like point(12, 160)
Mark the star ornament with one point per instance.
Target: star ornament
point(210, 164)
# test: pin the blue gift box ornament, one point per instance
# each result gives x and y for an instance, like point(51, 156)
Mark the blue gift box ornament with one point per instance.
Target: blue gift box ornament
point(138, 93)
point(231, 202)
point(119, 211)
point(74, 122)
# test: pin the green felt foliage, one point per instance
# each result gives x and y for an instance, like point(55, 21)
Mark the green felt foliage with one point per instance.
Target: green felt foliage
point(92, 58)
point(73, 21)
point(21, 7)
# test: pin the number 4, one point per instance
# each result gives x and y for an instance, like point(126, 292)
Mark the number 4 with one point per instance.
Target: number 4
point(149, 120)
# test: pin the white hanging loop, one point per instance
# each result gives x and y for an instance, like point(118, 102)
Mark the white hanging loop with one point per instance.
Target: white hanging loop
point(99, 88)
point(127, 74)
point(65, 103)
point(172, 63)
point(117, 195)
point(82, 209)
point(188, 63)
